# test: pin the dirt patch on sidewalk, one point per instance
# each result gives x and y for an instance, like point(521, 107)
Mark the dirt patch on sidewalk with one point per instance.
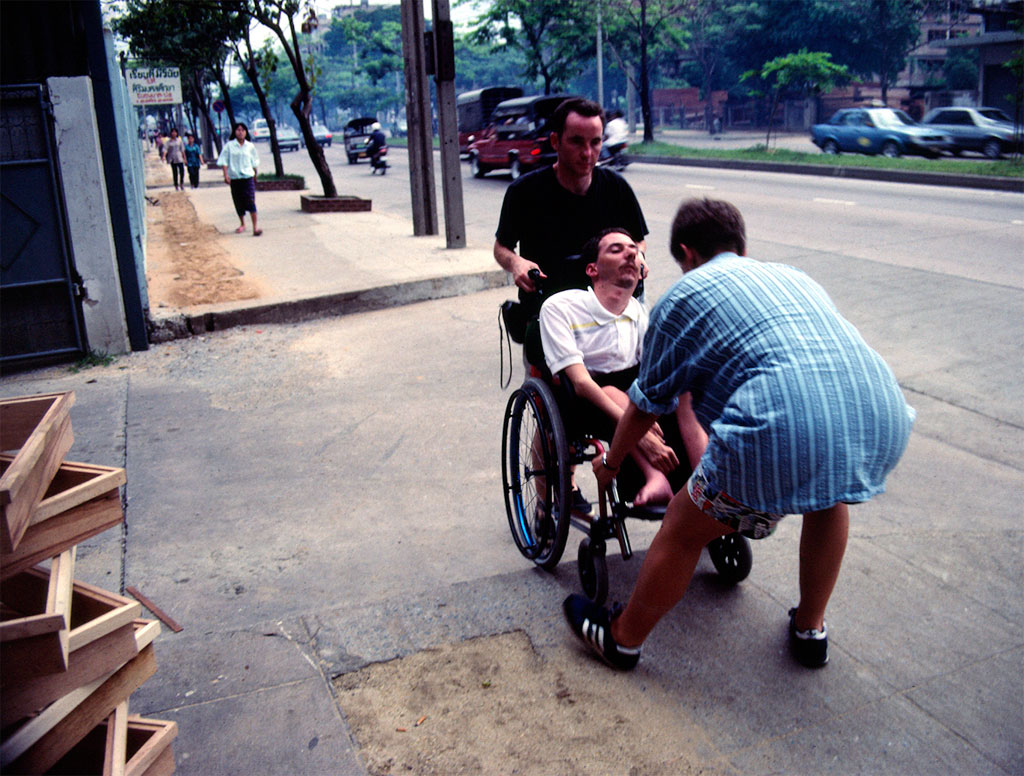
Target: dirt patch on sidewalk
point(185, 266)
point(494, 705)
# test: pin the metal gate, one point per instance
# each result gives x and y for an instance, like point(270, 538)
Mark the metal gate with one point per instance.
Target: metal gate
point(40, 313)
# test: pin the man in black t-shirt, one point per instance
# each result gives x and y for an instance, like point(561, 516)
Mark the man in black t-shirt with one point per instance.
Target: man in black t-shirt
point(550, 214)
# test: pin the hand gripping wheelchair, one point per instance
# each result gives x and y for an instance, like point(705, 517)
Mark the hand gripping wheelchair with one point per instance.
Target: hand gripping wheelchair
point(537, 457)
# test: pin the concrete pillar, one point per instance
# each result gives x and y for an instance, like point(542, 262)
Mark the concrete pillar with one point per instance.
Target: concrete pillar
point(85, 195)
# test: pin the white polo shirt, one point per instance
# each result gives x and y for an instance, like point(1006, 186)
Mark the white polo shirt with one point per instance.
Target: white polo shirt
point(575, 328)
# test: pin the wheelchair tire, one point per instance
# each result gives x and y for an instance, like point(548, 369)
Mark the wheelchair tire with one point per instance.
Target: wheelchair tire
point(533, 428)
point(732, 557)
point(593, 570)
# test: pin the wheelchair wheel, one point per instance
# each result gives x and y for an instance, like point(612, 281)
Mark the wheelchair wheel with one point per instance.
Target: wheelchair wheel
point(536, 472)
point(593, 572)
point(732, 557)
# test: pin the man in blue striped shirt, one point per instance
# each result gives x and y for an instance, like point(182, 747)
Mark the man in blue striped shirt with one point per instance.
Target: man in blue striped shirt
point(802, 416)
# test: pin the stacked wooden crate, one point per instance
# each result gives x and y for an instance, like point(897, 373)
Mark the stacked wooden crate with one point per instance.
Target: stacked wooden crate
point(71, 654)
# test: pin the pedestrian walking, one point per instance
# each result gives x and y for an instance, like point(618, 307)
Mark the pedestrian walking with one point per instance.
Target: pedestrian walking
point(174, 152)
point(240, 160)
point(193, 159)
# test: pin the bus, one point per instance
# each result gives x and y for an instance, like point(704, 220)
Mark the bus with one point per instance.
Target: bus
point(474, 109)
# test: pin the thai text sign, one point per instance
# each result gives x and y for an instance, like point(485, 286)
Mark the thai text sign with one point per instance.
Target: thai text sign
point(154, 85)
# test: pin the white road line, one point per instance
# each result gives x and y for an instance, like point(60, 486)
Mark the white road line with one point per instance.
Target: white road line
point(699, 186)
point(1015, 222)
point(835, 201)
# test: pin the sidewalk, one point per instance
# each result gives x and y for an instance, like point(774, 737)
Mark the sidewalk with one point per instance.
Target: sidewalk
point(348, 262)
point(319, 505)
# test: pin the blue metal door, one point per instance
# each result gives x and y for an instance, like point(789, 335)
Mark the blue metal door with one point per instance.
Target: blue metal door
point(40, 313)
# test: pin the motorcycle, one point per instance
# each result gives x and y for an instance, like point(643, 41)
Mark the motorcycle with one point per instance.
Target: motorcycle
point(614, 156)
point(378, 162)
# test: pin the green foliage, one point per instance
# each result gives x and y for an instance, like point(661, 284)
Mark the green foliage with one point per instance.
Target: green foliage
point(556, 37)
point(92, 359)
point(961, 69)
point(805, 72)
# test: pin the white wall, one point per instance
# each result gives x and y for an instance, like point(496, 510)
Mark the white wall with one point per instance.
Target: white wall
point(85, 195)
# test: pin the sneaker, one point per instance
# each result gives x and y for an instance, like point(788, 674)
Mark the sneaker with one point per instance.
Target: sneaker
point(809, 647)
point(579, 504)
point(592, 624)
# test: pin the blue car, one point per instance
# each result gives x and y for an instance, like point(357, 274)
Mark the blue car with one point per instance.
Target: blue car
point(883, 131)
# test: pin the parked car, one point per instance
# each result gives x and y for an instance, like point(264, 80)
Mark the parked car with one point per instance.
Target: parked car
point(518, 138)
point(883, 131)
point(357, 135)
point(259, 130)
point(287, 138)
point(322, 135)
point(986, 131)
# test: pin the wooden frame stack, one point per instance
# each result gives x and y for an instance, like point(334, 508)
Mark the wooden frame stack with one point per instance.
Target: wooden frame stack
point(71, 654)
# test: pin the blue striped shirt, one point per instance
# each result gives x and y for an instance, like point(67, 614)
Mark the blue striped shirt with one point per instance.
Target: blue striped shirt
point(800, 412)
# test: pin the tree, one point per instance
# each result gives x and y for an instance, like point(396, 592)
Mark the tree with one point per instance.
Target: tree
point(258, 67)
point(279, 17)
point(645, 23)
point(192, 36)
point(555, 36)
point(805, 72)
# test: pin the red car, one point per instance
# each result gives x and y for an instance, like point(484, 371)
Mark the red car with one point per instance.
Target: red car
point(517, 139)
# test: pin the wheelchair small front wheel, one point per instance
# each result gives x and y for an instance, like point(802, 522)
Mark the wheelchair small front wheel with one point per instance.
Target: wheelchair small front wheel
point(593, 570)
point(732, 557)
point(536, 473)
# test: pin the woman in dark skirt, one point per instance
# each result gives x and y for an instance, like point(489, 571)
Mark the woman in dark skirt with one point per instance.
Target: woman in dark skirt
point(239, 160)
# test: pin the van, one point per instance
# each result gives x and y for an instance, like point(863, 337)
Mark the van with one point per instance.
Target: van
point(259, 130)
point(517, 139)
point(475, 109)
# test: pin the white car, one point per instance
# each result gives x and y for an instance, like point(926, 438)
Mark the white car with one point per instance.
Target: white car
point(259, 130)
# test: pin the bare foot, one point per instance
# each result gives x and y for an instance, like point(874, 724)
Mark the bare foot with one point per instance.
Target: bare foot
point(655, 491)
point(257, 233)
point(239, 230)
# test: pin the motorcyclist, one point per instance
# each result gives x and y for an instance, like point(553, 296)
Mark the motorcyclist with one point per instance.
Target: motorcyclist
point(616, 136)
point(376, 147)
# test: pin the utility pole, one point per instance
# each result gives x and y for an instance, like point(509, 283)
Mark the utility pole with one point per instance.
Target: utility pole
point(443, 38)
point(600, 58)
point(417, 110)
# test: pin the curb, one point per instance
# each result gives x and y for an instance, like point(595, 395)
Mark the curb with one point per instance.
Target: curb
point(186, 324)
point(858, 173)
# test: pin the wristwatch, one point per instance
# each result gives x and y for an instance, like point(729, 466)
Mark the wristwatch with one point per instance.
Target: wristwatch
point(605, 464)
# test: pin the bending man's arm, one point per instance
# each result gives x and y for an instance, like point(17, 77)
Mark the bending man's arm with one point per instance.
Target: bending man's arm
point(630, 429)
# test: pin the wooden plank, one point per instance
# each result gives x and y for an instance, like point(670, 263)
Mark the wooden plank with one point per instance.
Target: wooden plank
point(162, 766)
point(73, 484)
point(37, 641)
point(20, 697)
point(94, 614)
point(41, 452)
point(116, 750)
point(164, 617)
point(151, 744)
point(88, 713)
point(59, 593)
point(22, 739)
point(56, 534)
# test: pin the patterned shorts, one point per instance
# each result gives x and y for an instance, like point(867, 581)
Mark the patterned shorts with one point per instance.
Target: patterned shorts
point(724, 508)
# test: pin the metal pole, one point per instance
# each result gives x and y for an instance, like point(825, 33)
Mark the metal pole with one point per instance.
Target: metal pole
point(600, 58)
point(417, 109)
point(451, 166)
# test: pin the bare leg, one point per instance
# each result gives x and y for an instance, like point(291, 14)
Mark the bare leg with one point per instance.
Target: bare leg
point(822, 546)
point(255, 229)
point(667, 569)
point(656, 488)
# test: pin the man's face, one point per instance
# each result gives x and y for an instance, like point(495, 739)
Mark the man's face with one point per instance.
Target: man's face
point(616, 261)
point(579, 145)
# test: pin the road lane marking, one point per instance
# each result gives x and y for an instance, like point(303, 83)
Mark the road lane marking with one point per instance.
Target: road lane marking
point(699, 186)
point(835, 201)
point(1015, 222)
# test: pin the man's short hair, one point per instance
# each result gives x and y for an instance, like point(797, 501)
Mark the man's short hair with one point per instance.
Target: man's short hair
point(709, 227)
point(580, 105)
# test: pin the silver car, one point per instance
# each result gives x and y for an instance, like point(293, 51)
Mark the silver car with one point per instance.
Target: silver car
point(986, 131)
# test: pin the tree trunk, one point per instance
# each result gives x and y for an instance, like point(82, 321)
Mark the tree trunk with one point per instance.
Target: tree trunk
point(200, 100)
point(251, 72)
point(645, 81)
point(225, 94)
point(316, 153)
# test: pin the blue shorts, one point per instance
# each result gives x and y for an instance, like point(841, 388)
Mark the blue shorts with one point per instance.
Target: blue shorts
point(719, 505)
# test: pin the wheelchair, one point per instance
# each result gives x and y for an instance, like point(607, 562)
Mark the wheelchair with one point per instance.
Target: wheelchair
point(537, 457)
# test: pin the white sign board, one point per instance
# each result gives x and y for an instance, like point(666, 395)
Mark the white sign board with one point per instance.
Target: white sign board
point(154, 85)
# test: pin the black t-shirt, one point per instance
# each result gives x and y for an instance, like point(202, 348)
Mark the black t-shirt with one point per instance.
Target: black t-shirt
point(549, 223)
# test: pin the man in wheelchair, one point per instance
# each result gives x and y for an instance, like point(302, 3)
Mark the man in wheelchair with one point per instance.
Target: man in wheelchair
point(592, 341)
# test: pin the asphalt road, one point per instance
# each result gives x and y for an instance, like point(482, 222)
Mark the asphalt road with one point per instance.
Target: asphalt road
point(963, 232)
